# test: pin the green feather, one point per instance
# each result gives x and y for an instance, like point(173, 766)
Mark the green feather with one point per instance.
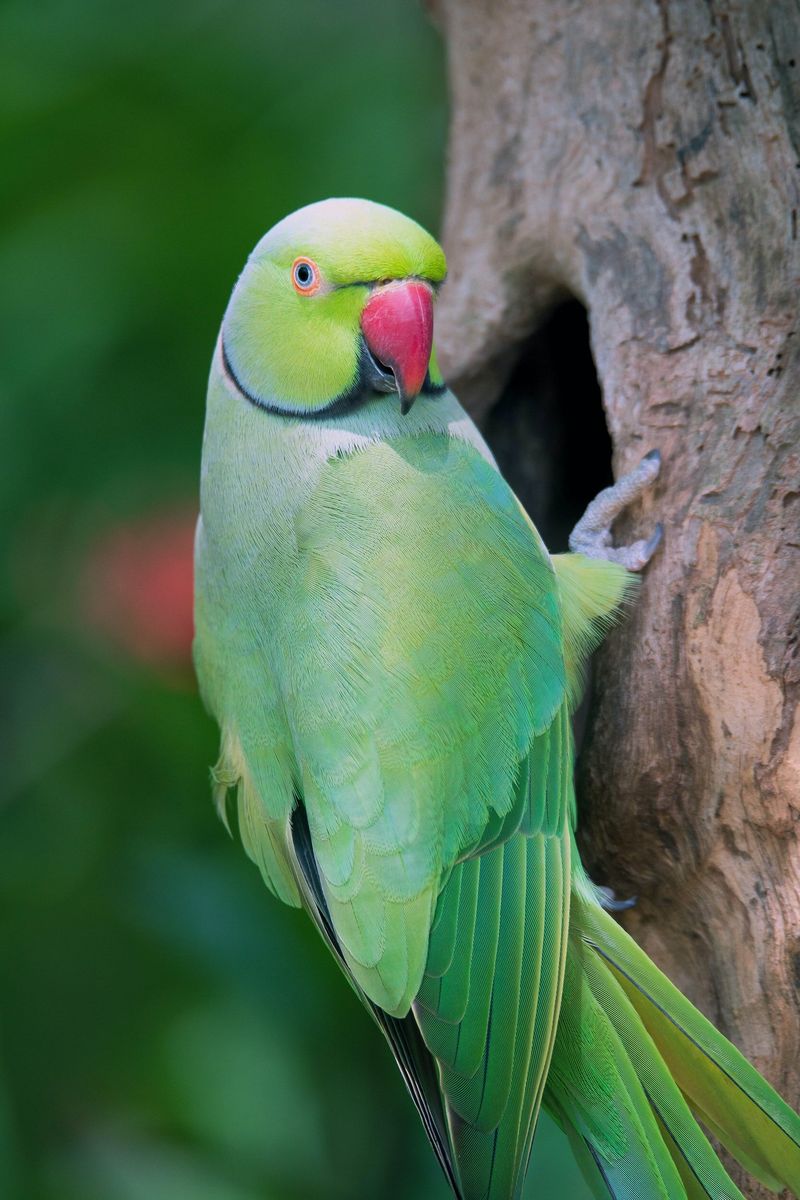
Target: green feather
point(594, 1087)
point(719, 1084)
point(701, 1171)
point(490, 1085)
point(442, 942)
point(489, 1018)
point(536, 800)
point(474, 1025)
point(445, 994)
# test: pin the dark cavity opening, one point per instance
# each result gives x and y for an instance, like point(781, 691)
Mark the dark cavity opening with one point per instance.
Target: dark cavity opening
point(548, 429)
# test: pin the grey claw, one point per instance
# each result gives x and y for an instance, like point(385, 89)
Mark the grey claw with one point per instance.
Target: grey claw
point(609, 901)
point(647, 471)
point(654, 541)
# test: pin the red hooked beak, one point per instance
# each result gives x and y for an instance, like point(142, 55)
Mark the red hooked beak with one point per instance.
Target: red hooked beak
point(397, 323)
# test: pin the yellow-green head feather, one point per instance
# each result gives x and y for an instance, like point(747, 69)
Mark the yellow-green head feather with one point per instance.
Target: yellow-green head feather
point(299, 349)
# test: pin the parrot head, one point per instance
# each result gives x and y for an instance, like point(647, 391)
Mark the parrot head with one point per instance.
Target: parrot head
point(335, 303)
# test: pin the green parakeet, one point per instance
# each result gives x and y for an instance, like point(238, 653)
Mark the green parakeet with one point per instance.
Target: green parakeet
point(392, 656)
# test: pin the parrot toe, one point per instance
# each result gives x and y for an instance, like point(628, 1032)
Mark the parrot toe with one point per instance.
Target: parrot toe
point(592, 534)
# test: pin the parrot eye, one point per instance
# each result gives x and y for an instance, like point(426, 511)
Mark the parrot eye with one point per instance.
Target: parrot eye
point(305, 276)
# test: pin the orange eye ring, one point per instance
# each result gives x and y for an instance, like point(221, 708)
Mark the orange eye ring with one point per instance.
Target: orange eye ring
point(306, 278)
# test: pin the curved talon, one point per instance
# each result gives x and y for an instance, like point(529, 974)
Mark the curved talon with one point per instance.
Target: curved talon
point(608, 898)
point(654, 541)
point(592, 534)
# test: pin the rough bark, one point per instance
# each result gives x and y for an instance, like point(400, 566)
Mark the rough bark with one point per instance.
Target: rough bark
point(645, 158)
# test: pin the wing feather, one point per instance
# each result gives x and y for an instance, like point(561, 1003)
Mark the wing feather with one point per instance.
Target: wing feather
point(424, 697)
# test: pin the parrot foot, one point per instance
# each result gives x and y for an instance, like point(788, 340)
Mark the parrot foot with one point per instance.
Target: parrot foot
point(592, 535)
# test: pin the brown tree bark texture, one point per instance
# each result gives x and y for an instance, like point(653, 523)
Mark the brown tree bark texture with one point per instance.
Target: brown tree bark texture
point(645, 157)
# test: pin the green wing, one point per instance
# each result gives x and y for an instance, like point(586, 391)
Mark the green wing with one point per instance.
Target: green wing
point(426, 657)
point(429, 715)
point(490, 998)
point(424, 695)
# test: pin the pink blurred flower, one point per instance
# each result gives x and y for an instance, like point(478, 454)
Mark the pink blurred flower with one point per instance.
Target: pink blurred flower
point(138, 588)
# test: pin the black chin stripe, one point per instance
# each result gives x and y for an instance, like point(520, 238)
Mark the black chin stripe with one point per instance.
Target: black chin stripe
point(347, 401)
point(429, 388)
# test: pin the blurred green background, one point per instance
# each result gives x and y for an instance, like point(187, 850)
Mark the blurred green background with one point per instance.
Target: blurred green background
point(169, 1032)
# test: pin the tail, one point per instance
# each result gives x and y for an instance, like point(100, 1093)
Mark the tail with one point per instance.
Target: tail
point(636, 1067)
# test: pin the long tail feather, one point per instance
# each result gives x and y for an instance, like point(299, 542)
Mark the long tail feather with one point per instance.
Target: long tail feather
point(686, 1072)
point(594, 1089)
point(720, 1085)
point(702, 1173)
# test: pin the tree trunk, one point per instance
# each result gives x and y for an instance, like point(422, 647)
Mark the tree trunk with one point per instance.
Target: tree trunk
point(645, 158)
